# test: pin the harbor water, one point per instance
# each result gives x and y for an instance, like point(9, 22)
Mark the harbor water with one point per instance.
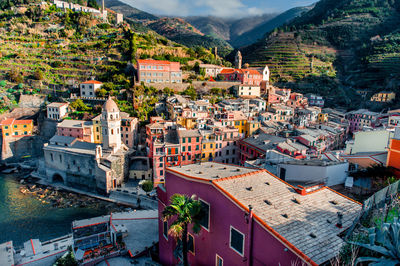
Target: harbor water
point(23, 217)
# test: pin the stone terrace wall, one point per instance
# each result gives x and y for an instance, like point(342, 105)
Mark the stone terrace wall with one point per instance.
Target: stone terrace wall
point(198, 85)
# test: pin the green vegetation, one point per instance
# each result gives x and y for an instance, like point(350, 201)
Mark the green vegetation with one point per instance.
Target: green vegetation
point(353, 42)
point(147, 185)
point(185, 211)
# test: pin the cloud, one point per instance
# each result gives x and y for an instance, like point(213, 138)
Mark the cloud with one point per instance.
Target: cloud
point(219, 8)
point(223, 8)
point(161, 7)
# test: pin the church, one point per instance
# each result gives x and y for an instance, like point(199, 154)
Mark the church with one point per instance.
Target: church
point(90, 166)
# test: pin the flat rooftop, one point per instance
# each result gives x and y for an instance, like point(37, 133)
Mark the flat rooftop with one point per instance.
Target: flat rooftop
point(211, 170)
point(91, 221)
point(142, 227)
point(313, 162)
point(6, 254)
point(306, 221)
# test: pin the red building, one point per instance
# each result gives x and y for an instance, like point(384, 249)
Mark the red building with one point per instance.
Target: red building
point(190, 141)
point(255, 147)
point(245, 76)
point(158, 71)
point(393, 159)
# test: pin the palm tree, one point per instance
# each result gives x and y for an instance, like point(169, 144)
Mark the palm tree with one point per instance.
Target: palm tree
point(186, 211)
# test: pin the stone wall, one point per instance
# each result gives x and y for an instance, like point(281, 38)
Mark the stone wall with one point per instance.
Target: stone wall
point(31, 101)
point(198, 85)
point(14, 149)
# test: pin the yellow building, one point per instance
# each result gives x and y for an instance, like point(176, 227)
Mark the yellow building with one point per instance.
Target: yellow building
point(16, 128)
point(188, 123)
point(97, 133)
point(252, 127)
point(322, 118)
point(383, 96)
point(208, 147)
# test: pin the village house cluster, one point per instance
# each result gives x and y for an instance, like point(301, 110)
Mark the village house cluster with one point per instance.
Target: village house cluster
point(263, 163)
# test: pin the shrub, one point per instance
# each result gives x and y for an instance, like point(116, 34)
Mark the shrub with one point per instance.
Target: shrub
point(38, 75)
point(147, 186)
point(3, 83)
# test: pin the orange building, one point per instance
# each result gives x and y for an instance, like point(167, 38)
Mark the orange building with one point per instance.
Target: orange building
point(16, 128)
point(393, 159)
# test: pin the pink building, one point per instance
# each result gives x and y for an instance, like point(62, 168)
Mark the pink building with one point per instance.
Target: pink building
point(362, 118)
point(82, 130)
point(245, 76)
point(129, 130)
point(158, 71)
point(254, 218)
point(190, 141)
point(163, 149)
point(226, 144)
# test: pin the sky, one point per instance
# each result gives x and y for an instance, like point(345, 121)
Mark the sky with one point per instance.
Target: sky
point(219, 8)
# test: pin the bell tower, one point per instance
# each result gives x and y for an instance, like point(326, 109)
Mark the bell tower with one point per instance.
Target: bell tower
point(111, 125)
point(238, 60)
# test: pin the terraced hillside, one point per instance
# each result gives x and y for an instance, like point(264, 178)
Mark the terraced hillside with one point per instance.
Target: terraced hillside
point(70, 47)
point(289, 59)
point(354, 42)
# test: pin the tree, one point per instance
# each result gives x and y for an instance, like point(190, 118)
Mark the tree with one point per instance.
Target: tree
point(67, 260)
point(38, 74)
point(93, 3)
point(147, 186)
point(15, 75)
point(79, 105)
point(186, 211)
point(102, 92)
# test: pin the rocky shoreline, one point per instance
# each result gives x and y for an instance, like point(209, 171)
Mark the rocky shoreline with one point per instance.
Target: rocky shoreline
point(59, 198)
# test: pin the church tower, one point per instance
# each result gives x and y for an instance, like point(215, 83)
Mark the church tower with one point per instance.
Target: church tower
point(238, 60)
point(111, 125)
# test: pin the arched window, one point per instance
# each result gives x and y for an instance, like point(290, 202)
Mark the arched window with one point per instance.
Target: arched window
point(112, 131)
point(111, 116)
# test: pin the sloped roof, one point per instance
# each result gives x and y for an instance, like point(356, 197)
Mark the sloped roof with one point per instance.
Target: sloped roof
point(92, 82)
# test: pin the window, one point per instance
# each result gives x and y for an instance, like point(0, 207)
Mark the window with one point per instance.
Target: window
point(15, 126)
point(7, 134)
point(190, 244)
point(165, 229)
point(51, 156)
point(189, 140)
point(189, 148)
point(184, 148)
point(197, 139)
point(161, 172)
point(5, 127)
point(24, 126)
point(25, 133)
point(183, 140)
point(236, 241)
point(197, 147)
point(205, 221)
point(169, 151)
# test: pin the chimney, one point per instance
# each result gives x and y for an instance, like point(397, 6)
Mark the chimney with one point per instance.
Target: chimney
point(340, 220)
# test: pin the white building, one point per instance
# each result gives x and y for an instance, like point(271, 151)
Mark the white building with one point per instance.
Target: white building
point(57, 111)
point(247, 90)
point(369, 141)
point(211, 70)
point(89, 88)
point(315, 172)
